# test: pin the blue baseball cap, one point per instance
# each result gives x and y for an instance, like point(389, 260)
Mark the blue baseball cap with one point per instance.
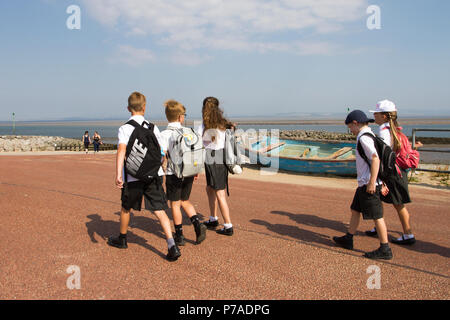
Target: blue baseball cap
point(358, 116)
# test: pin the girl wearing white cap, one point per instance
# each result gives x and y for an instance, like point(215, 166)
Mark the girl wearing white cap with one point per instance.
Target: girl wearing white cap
point(385, 116)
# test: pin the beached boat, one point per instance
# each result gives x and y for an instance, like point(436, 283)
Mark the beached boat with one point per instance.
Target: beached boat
point(303, 156)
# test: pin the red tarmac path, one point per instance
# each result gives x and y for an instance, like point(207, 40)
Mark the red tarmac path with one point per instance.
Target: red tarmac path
point(58, 210)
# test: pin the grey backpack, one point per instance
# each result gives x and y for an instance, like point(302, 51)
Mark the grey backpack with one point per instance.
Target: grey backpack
point(187, 153)
point(232, 152)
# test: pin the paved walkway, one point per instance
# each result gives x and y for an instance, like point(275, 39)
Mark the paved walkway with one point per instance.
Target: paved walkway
point(57, 211)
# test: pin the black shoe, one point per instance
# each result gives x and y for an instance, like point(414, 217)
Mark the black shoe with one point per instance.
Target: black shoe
point(226, 231)
point(344, 242)
point(385, 254)
point(404, 241)
point(174, 253)
point(179, 239)
point(118, 242)
point(371, 233)
point(211, 224)
point(200, 232)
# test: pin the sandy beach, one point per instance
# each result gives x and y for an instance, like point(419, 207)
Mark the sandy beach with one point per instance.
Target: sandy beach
point(59, 209)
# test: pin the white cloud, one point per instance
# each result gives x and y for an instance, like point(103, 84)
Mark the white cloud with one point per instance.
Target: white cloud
point(189, 58)
point(132, 56)
point(237, 25)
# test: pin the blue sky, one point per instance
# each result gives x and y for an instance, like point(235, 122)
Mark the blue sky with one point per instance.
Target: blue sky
point(261, 58)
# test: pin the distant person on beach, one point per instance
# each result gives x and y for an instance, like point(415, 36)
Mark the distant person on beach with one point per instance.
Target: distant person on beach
point(178, 190)
point(366, 200)
point(87, 141)
point(133, 190)
point(213, 132)
point(97, 141)
point(385, 116)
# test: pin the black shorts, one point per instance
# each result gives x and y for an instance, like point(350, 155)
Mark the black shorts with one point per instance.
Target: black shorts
point(398, 190)
point(178, 189)
point(153, 193)
point(215, 170)
point(368, 204)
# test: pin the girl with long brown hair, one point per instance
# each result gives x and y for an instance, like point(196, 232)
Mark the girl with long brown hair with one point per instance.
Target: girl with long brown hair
point(386, 117)
point(213, 132)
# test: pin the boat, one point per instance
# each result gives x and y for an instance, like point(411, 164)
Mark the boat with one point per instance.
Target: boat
point(302, 156)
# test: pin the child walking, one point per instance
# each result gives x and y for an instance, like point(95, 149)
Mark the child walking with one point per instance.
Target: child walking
point(133, 190)
point(213, 132)
point(385, 116)
point(366, 200)
point(178, 190)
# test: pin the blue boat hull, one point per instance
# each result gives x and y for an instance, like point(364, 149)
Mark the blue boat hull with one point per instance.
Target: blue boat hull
point(338, 167)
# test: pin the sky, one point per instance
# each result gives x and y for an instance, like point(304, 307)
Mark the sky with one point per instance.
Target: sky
point(260, 58)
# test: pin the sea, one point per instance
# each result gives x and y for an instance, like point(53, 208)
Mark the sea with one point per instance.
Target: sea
point(108, 129)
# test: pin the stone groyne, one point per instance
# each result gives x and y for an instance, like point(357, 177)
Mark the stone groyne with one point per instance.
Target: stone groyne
point(44, 143)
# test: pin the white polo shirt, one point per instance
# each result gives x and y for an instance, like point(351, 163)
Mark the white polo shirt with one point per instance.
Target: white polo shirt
point(218, 135)
point(124, 135)
point(362, 168)
point(167, 140)
point(384, 133)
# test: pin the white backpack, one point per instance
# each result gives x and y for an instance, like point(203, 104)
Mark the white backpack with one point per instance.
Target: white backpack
point(187, 154)
point(232, 156)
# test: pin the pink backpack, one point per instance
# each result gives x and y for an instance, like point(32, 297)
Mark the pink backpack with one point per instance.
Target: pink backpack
point(407, 157)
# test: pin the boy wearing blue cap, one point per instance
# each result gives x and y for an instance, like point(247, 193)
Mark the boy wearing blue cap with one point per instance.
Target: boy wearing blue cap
point(367, 196)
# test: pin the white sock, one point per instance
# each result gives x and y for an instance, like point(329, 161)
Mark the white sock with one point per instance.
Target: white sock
point(406, 237)
point(211, 218)
point(170, 243)
point(227, 225)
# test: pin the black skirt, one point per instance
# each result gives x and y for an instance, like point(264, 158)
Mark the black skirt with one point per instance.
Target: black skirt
point(398, 189)
point(215, 170)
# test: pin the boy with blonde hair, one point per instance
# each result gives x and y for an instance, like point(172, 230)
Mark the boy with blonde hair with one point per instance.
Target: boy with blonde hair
point(133, 189)
point(179, 189)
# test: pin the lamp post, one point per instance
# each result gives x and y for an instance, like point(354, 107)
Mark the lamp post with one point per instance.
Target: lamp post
point(348, 111)
point(14, 124)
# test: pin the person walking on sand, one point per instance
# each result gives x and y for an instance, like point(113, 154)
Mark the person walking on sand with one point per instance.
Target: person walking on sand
point(86, 139)
point(213, 132)
point(385, 116)
point(97, 141)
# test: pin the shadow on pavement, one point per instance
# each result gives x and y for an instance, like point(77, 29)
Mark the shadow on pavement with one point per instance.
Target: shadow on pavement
point(316, 221)
point(425, 247)
point(295, 232)
point(107, 228)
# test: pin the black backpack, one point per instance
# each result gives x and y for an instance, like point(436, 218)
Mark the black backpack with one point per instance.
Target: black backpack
point(385, 153)
point(143, 156)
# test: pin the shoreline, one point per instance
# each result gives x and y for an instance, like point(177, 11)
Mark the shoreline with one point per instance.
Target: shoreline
point(239, 121)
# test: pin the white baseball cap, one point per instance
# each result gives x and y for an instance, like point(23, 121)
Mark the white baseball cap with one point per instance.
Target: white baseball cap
point(384, 106)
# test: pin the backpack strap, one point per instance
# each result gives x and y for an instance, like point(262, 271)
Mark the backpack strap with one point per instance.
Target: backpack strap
point(361, 150)
point(150, 125)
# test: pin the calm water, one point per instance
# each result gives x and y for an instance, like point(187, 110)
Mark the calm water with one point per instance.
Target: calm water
point(109, 132)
